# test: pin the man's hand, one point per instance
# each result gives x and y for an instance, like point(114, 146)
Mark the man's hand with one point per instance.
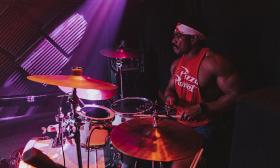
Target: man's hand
point(170, 101)
point(189, 113)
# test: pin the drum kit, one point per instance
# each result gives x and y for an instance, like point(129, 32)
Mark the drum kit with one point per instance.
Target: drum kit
point(131, 125)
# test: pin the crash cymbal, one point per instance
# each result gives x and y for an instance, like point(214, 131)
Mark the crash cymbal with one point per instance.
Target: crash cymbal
point(169, 141)
point(73, 81)
point(118, 53)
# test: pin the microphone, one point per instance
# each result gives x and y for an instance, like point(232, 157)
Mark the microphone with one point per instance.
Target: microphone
point(36, 158)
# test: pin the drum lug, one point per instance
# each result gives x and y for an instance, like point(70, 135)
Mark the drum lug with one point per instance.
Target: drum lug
point(123, 120)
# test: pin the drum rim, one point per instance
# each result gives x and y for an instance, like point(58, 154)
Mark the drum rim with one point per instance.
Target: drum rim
point(132, 98)
point(110, 117)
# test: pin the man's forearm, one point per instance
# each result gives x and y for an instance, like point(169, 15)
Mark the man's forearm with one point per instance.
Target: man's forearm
point(169, 93)
point(221, 104)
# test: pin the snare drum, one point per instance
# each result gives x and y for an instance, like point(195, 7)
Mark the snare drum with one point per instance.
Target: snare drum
point(96, 120)
point(126, 108)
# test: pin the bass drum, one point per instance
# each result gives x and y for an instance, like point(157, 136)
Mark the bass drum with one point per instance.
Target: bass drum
point(126, 108)
point(56, 154)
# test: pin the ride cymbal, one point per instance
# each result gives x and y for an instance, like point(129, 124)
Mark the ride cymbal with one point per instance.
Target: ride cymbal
point(169, 141)
point(119, 53)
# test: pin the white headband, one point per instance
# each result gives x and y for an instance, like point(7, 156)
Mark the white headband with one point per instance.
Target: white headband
point(186, 30)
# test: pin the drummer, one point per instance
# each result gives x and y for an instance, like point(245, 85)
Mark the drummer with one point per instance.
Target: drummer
point(203, 84)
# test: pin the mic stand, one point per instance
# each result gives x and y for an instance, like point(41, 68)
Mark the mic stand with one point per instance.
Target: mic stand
point(75, 102)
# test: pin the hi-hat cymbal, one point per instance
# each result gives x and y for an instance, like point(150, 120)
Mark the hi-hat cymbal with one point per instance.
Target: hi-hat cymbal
point(118, 53)
point(73, 81)
point(169, 141)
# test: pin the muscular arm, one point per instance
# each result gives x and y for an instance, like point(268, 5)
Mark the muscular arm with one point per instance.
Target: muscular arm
point(227, 80)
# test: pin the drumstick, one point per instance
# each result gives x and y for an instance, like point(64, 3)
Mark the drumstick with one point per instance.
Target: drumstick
point(161, 116)
point(174, 117)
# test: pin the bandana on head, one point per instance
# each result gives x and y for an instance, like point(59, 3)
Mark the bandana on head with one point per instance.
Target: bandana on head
point(186, 30)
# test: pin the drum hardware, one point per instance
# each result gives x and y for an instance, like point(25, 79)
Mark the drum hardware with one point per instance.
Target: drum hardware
point(68, 127)
point(58, 140)
point(155, 118)
point(119, 66)
point(70, 154)
point(89, 147)
point(135, 64)
point(77, 80)
point(119, 56)
point(171, 113)
point(105, 90)
point(116, 158)
point(120, 53)
point(96, 119)
point(92, 118)
point(64, 129)
point(129, 107)
point(165, 141)
point(74, 103)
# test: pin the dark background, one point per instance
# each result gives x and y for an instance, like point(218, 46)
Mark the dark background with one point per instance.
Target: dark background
point(247, 32)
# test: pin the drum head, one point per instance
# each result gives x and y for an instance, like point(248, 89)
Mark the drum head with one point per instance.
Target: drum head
point(132, 105)
point(96, 113)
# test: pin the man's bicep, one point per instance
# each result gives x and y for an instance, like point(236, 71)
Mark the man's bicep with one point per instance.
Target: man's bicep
point(229, 83)
point(227, 78)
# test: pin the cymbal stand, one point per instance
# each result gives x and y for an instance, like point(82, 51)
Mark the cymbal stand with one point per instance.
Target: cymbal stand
point(74, 102)
point(155, 118)
point(58, 140)
point(155, 125)
point(60, 119)
point(119, 64)
point(154, 163)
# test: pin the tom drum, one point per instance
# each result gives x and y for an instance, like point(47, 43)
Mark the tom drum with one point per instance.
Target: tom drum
point(96, 121)
point(126, 108)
